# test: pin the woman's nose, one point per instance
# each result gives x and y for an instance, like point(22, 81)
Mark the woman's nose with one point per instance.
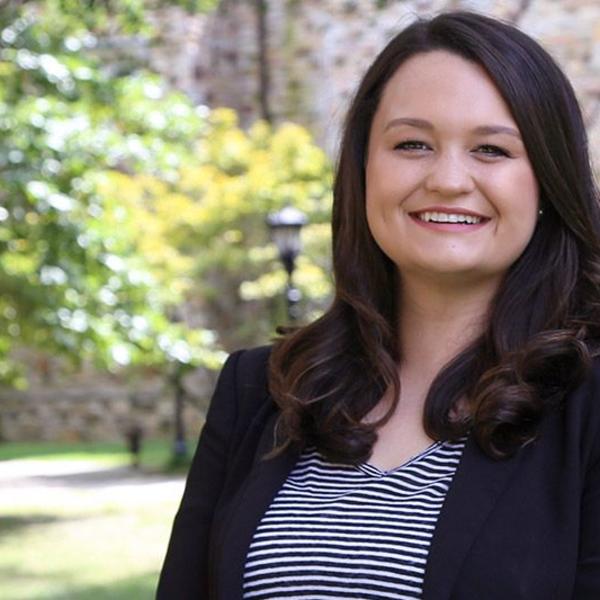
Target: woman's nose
point(449, 175)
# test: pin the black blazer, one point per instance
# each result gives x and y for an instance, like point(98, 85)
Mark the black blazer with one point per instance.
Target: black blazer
point(525, 528)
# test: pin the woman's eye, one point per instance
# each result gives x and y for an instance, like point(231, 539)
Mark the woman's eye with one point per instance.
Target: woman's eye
point(411, 145)
point(490, 150)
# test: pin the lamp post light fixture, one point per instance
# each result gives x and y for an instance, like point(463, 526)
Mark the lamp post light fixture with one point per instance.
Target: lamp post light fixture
point(285, 226)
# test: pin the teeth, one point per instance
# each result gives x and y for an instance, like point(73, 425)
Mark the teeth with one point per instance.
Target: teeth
point(437, 217)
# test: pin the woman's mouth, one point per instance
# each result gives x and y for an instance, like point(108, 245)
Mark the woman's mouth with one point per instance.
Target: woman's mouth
point(449, 221)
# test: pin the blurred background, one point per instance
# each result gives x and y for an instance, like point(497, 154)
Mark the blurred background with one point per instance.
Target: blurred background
point(165, 195)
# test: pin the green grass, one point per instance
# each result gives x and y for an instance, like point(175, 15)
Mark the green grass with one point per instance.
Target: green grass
point(155, 454)
point(83, 543)
point(92, 553)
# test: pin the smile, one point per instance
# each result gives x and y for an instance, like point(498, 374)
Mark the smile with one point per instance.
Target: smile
point(440, 217)
point(444, 220)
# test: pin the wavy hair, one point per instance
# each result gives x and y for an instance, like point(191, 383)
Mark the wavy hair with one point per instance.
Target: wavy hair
point(544, 319)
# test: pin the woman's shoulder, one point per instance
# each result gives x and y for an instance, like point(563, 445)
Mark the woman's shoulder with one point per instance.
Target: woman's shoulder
point(245, 374)
point(254, 358)
point(248, 366)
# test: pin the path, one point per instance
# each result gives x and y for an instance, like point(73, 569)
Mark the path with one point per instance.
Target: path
point(25, 479)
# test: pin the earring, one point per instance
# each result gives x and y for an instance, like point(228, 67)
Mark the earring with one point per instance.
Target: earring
point(541, 212)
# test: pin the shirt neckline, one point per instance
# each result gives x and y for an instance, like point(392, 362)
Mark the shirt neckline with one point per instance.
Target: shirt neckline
point(372, 470)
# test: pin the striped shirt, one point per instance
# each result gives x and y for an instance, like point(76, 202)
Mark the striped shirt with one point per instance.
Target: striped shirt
point(344, 531)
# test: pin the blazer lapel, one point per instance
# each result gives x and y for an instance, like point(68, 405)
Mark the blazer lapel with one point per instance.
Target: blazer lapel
point(264, 481)
point(477, 484)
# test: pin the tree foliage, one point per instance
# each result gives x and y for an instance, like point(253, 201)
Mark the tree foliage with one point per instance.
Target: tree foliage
point(214, 213)
point(121, 203)
point(72, 280)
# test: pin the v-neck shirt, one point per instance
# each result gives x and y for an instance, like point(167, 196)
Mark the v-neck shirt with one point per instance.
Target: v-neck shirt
point(350, 531)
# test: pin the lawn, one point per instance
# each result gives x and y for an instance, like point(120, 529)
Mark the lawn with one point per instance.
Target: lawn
point(61, 539)
point(155, 454)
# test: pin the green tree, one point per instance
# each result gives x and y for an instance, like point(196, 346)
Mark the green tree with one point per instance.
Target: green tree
point(214, 213)
point(73, 281)
point(122, 205)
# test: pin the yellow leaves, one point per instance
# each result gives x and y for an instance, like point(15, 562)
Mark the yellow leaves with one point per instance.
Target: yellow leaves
point(265, 286)
point(223, 118)
point(316, 235)
point(152, 212)
point(285, 154)
point(260, 134)
point(230, 151)
point(309, 278)
point(296, 154)
point(195, 181)
point(227, 146)
point(312, 279)
point(233, 236)
point(262, 174)
point(258, 171)
point(204, 232)
point(176, 208)
point(263, 253)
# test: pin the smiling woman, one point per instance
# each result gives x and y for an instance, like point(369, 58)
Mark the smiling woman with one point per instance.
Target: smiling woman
point(448, 191)
point(436, 433)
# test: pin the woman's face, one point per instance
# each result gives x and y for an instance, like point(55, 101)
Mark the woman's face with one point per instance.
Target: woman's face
point(450, 192)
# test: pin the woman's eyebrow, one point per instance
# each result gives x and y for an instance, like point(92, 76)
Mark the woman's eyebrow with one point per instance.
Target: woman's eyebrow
point(494, 129)
point(481, 130)
point(420, 123)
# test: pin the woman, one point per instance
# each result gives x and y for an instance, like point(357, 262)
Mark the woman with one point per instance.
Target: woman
point(436, 434)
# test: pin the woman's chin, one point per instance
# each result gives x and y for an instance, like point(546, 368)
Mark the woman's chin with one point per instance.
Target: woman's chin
point(446, 272)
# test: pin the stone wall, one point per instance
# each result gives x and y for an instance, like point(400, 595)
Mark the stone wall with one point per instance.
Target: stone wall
point(318, 49)
point(90, 406)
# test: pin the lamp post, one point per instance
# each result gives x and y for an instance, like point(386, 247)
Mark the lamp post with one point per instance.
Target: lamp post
point(285, 226)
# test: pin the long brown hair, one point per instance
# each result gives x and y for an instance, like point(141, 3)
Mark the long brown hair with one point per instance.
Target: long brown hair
point(544, 320)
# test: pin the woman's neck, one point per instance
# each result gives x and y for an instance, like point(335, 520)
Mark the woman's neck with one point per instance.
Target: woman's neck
point(436, 322)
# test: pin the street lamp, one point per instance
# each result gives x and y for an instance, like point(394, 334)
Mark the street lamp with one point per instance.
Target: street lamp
point(285, 228)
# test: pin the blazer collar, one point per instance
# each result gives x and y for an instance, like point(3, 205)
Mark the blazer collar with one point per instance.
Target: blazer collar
point(475, 489)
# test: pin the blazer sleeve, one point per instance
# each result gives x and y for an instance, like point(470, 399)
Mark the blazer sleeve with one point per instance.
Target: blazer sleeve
point(184, 573)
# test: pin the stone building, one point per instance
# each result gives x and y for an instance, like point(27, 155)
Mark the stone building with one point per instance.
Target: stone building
point(300, 60)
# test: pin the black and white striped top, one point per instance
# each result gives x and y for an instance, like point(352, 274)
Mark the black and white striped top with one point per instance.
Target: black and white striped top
point(342, 531)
